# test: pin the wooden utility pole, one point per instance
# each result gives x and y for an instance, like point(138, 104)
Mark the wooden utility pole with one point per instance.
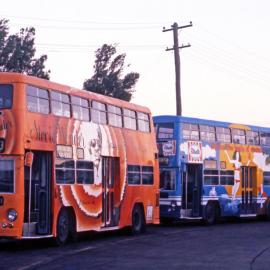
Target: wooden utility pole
point(176, 48)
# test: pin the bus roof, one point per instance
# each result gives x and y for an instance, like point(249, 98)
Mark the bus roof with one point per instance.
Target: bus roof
point(10, 77)
point(193, 120)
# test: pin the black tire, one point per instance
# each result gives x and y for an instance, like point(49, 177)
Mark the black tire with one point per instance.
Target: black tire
point(268, 211)
point(63, 227)
point(138, 222)
point(262, 218)
point(211, 214)
point(166, 221)
point(72, 227)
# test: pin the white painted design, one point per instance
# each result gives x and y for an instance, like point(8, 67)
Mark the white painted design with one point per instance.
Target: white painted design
point(184, 147)
point(149, 212)
point(63, 197)
point(260, 160)
point(90, 190)
point(207, 151)
point(213, 192)
point(169, 202)
point(81, 206)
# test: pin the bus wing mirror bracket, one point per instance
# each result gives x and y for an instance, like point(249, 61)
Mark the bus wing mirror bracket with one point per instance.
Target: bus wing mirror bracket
point(29, 156)
point(184, 167)
point(1, 200)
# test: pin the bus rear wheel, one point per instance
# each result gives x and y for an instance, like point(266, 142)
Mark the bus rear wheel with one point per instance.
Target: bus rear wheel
point(138, 222)
point(73, 235)
point(268, 211)
point(63, 223)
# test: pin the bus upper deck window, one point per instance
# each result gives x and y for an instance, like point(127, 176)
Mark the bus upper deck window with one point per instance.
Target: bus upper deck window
point(6, 96)
point(190, 131)
point(37, 99)
point(265, 138)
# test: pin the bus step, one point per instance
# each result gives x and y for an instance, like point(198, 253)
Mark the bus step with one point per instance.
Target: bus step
point(248, 215)
point(37, 236)
point(192, 218)
point(29, 229)
point(186, 213)
point(104, 229)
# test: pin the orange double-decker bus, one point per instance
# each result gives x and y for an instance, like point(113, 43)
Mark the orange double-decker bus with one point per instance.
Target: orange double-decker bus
point(73, 161)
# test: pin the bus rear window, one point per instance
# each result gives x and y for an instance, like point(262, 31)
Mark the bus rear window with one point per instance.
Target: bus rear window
point(164, 130)
point(6, 95)
point(6, 176)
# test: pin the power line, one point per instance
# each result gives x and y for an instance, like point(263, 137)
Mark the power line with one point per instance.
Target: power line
point(235, 45)
point(121, 23)
point(92, 28)
point(91, 47)
point(231, 61)
point(238, 74)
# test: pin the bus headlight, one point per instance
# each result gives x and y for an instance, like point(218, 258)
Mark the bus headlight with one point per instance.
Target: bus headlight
point(12, 215)
point(173, 204)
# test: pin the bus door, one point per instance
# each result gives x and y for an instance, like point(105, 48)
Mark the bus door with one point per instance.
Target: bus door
point(248, 189)
point(37, 194)
point(191, 190)
point(110, 191)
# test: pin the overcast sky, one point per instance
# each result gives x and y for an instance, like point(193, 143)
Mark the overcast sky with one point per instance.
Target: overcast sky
point(224, 74)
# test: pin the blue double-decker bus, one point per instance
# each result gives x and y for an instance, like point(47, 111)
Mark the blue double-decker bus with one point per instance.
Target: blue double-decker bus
point(211, 169)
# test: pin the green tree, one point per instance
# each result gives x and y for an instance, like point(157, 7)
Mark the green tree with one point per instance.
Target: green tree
point(17, 52)
point(108, 76)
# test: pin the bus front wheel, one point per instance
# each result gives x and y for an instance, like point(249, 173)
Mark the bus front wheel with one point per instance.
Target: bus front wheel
point(138, 222)
point(62, 227)
point(211, 213)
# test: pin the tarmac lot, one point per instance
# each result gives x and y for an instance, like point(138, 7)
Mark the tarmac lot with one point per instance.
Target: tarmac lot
point(233, 244)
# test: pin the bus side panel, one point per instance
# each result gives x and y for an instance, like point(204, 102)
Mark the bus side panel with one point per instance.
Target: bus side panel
point(148, 195)
point(85, 200)
point(246, 196)
point(12, 122)
point(88, 200)
point(11, 134)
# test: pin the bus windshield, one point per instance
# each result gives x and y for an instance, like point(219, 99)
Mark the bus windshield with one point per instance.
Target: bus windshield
point(167, 179)
point(165, 130)
point(6, 176)
point(6, 94)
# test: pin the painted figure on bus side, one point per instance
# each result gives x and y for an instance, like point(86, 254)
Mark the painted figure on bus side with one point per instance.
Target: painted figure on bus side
point(213, 192)
point(95, 145)
point(236, 161)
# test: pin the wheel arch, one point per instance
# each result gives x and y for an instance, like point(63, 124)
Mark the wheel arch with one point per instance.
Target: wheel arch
point(72, 215)
point(71, 223)
point(140, 204)
point(216, 204)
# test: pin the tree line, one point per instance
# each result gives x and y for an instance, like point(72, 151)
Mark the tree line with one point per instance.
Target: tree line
point(17, 54)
